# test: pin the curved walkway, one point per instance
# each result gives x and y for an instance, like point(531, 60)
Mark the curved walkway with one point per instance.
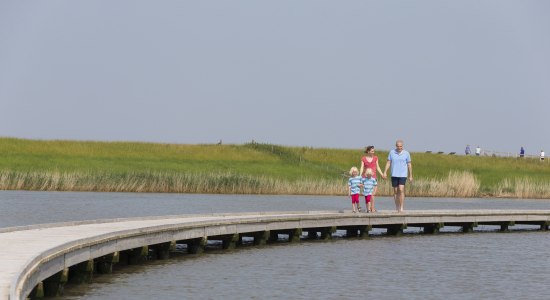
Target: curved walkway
point(30, 254)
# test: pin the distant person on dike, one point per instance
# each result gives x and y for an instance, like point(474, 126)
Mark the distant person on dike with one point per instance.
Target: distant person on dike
point(354, 188)
point(467, 151)
point(521, 152)
point(369, 189)
point(370, 161)
point(400, 162)
point(478, 151)
point(541, 155)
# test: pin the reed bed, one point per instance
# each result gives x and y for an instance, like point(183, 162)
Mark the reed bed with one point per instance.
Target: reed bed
point(523, 188)
point(157, 182)
point(455, 184)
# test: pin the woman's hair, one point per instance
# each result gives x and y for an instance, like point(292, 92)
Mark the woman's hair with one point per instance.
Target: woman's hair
point(353, 169)
point(368, 171)
point(368, 148)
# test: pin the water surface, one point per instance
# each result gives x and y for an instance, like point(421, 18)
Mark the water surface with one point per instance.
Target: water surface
point(491, 265)
point(25, 208)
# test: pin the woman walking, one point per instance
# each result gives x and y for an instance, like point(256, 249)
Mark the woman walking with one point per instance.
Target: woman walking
point(370, 161)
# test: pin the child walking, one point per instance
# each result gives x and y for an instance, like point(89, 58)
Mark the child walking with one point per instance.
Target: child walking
point(354, 188)
point(369, 189)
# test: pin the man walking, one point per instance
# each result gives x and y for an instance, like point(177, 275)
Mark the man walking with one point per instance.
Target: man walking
point(400, 162)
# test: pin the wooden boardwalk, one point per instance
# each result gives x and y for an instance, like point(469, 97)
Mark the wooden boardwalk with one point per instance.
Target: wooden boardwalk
point(39, 259)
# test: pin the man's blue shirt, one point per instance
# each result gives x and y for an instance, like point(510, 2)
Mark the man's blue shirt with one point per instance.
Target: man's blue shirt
point(399, 163)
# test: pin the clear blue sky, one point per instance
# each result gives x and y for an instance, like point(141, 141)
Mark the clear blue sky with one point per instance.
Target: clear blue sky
point(439, 74)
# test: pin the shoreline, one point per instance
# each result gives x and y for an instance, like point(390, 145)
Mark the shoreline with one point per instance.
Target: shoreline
point(484, 196)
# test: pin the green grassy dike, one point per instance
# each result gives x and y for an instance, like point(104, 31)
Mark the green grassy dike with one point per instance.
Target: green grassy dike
point(249, 168)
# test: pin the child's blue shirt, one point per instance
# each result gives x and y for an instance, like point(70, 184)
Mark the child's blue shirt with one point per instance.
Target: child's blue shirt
point(354, 183)
point(368, 185)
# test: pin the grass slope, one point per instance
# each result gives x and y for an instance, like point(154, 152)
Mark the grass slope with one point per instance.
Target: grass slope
point(132, 166)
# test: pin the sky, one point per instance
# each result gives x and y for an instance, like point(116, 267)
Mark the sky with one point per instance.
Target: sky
point(438, 74)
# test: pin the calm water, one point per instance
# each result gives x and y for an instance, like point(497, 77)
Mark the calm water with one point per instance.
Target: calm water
point(511, 265)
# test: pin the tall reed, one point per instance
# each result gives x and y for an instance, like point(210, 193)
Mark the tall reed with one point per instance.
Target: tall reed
point(523, 188)
point(164, 182)
point(455, 184)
